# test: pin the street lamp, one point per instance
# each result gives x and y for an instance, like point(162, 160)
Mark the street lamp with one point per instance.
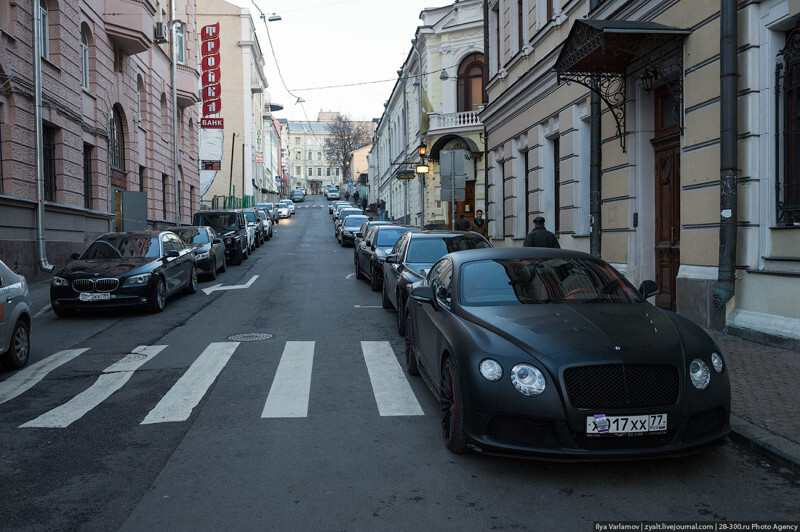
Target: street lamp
point(422, 150)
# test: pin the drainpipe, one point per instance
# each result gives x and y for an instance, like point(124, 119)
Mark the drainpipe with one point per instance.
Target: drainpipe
point(41, 243)
point(174, 75)
point(726, 279)
point(595, 160)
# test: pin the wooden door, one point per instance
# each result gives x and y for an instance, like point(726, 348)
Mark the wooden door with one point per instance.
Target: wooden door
point(666, 145)
point(466, 207)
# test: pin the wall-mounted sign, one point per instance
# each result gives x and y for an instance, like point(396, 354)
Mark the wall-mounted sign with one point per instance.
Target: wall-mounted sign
point(405, 174)
point(211, 123)
point(211, 91)
point(211, 165)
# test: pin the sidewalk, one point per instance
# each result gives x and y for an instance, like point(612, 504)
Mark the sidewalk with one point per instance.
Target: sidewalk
point(765, 385)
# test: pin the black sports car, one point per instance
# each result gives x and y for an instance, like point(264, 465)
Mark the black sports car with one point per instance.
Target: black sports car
point(412, 254)
point(208, 249)
point(125, 269)
point(554, 354)
point(372, 250)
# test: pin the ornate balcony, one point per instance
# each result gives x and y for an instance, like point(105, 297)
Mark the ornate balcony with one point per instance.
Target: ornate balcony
point(130, 24)
point(188, 86)
point(463, 121)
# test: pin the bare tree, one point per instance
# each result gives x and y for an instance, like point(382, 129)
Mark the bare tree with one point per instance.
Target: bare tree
point(345, 136)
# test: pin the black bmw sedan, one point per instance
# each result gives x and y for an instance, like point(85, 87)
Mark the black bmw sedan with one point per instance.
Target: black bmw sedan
point(125, 269)
point(552, 353)
point(207, 246)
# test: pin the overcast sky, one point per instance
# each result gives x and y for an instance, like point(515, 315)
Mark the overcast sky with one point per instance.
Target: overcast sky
point(320, 43)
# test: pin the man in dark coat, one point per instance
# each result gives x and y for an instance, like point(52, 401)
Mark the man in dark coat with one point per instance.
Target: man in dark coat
point(462, 224)
point(479, 224)
point(540, 237)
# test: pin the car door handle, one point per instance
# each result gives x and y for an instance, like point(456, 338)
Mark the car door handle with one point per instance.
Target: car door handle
point(9, 299)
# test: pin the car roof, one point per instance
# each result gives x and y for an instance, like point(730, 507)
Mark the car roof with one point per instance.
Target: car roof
point(470, 255)
point(439, 233)
point(217, 211)
point(192, 227)
point(141, 234)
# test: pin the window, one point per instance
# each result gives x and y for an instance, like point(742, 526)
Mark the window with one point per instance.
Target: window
point(319, 155)
point(297, 156)
point(180, 44)
point(495, 20)
point(164, 117)
point(87, 176)
point(141, 178)
point(788, 185)
point(164, 180)
point(556, 184)
point(310, 172)
point(328, 172)
point(298, 170)
point(84, 59)
point(49, 169)
point(309, 155)
point(520, 25)
point(297, 141)
point(116, 142)
point(337, 172)
point(44, 33)
point(470, 83)
point(319, 172)
point(139, 99)
point(548, 14)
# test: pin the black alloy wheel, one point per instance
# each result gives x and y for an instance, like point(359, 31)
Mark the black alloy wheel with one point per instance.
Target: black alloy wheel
point(191, 286)
point(451, 406)
point(158, 299)
point(411, 361)
point(20, 347)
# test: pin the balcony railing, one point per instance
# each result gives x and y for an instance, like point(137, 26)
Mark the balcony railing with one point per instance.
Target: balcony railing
point(464, 119)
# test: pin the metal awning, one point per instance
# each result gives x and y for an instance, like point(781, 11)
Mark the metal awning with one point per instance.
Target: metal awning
point(598, 53)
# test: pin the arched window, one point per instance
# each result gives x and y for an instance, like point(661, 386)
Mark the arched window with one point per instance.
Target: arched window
point(470, 83)
point(84, 59)
point(117, 141)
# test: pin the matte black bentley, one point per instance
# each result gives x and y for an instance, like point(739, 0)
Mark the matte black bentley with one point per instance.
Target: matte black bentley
point(554, 354)
point(125, 269)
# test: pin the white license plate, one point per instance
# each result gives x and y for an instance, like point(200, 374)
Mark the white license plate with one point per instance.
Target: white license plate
point(602, 424)
point(94, 296)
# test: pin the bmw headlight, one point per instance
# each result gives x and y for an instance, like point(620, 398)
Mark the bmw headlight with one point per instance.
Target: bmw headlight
point(59, 281)
point(491, 370)
point(716, 361)
point(699, 373)
point(201, 256)
point(138, 279)
point(527, 379)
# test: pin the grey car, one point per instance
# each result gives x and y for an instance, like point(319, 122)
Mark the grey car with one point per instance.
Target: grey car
point(15, 319)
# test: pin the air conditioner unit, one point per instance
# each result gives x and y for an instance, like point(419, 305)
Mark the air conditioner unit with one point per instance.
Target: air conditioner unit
point(161, 33)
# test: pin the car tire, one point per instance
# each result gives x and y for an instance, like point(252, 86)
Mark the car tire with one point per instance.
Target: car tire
point(385, 301)
point(373, 282)
point(213, 274)
point(411, 361)
point(19, 349)
point(158, 299)
point(401, 317)
point(237, 260)
point(191, 286)
point(451, 406)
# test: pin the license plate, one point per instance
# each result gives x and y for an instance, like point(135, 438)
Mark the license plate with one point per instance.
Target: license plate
point(94, 296)
point(602, 424)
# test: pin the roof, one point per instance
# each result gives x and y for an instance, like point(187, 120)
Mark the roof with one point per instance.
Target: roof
point(517, 253)
point(309, 127)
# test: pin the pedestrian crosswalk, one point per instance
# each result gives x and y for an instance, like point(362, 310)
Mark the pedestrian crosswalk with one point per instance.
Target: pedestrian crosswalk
point(289, 393)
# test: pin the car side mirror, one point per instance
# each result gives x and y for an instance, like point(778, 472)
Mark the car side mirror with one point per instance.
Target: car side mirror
point(75, 256)
point(173, 254)
point(359, 234)
point(648, 288)
point(423, 294)
point(391, 258)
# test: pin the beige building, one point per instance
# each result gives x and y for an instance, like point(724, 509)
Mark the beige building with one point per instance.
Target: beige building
point(242, 148)
point(662, 208)
point(107, 123)
point(359, 173)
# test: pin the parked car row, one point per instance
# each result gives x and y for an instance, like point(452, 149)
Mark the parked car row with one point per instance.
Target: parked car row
point(545, 352)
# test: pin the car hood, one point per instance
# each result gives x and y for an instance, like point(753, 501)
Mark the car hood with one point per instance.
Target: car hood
point(103, 268)
point(593, 331)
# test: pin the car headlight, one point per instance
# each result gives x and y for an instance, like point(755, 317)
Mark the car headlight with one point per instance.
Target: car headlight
point(699, 373)
point(201, 256)
point(491, 370)
point(138, 279)
point(59, 281)
point(716, 361)
point(527, 379)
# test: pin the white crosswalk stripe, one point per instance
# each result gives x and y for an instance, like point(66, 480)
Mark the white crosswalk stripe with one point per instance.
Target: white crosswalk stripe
point(392, 391)
point(27, 378)
point(288, 396)
point(180, 400)
point(113, 378)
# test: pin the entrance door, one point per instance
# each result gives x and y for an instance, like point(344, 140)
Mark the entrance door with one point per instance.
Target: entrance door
point(466, 207)
point(666, 145)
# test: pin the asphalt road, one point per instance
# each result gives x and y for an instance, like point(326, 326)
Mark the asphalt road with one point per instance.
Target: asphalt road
point(167, 422)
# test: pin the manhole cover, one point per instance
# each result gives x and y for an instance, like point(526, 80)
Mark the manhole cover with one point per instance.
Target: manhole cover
point(250, 337)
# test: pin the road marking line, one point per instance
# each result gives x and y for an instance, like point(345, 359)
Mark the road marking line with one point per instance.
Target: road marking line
point(27, 378)
point(42, 312)
point(350, 276)
point(291, 387)
point(112, 379)
point(219, 286)
point(367, 306)
point(180, 400)
point(392, 391)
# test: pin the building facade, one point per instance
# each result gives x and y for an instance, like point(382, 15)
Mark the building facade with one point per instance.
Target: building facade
point(107, 123)
point(612, 120)
point(240, 152)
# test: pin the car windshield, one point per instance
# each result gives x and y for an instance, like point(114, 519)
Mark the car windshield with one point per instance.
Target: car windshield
point(192, 236)
point(220, 221)
point(429, 250)
point(122, 246)
point(386, 237)
point(250, 215)
point(351, 222)
point(553, 280)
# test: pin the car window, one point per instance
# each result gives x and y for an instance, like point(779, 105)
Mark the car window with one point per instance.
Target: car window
point(426, 250)
point(250, 215)
point(444, 277)
point(222, 222)
point(351, 222)
point(369, 236)
point(388, 235)
point(192, 236)
point(117, 245)
point(177, 243)
point(400, 245)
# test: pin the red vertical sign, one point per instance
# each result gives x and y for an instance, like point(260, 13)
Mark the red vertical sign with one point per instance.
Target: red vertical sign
point(209, 48)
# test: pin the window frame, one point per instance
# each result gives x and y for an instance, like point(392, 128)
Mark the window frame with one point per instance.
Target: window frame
point(84, 60)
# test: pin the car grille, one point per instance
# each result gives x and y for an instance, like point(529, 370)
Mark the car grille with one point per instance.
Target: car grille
point(101, 285)
point(621, 386)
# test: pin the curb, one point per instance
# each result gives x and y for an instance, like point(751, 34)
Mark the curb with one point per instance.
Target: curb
point(775, 447)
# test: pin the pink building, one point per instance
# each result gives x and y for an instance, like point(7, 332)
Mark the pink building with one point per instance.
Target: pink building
point(107, 117)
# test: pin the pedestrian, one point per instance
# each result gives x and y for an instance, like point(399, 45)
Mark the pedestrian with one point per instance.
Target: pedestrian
point(355, 197)
point(462, 224)
point(382, 210)
point(540, 237)
point(479, 225)
point(347, 195)
point(364, 203)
